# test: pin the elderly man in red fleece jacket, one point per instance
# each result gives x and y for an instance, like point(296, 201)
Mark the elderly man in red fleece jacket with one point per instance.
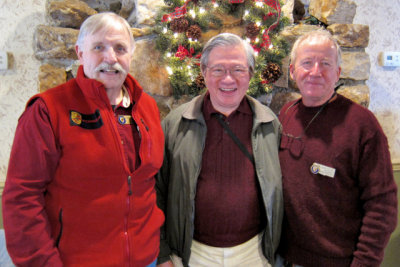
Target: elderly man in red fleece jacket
point(80, 182)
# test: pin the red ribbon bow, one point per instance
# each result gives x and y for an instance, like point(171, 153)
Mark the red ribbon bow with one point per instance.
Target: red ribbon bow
point(275, 5)
point(183, 52)
point(179, 12)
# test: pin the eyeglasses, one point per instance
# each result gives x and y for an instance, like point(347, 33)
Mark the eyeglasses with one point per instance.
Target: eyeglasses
point(294, 144)
point(236, 71)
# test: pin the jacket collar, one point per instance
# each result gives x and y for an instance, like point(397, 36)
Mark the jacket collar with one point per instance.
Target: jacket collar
point(259, 111)
point(94, 89)
point(193, 110)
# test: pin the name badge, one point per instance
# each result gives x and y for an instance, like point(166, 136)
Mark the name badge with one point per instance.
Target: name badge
point(318, 168)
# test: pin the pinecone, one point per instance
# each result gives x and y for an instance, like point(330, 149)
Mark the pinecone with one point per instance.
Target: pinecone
point(179, 25)
point(194, 32)
point(252, 30)
point(200, 83)
point(271, 73)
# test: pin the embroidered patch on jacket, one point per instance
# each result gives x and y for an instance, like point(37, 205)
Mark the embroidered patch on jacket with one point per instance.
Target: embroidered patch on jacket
point(86, 121)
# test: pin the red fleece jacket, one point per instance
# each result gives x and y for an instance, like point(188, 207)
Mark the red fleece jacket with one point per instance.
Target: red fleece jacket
point(69, 198)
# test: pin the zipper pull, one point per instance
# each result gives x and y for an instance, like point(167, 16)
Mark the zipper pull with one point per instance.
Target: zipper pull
point(130, 185)
point(138, 130)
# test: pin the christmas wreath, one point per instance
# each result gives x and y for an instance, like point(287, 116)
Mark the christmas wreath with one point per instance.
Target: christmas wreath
point(184, 26)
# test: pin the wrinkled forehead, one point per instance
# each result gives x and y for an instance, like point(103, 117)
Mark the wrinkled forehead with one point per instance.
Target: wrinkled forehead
point(317, 40)
point(317, 46)
point(234, 52)
point(109, 35)
point(111, 27)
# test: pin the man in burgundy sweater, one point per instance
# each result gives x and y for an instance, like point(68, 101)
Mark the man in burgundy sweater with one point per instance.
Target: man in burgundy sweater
point(223, 204)
point(339, 192)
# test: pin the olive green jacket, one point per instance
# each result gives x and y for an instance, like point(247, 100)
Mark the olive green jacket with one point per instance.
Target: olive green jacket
point(185, 134)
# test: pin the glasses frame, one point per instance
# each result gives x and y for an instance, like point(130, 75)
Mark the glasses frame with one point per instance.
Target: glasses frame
point(242, 71)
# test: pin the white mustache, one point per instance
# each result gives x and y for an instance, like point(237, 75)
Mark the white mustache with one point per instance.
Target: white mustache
point(105, 67)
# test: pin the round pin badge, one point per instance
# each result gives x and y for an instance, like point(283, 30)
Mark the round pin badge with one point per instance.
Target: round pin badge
point(121, 119)
point(314, 168)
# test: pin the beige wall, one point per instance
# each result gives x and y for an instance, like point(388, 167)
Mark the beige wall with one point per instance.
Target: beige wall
point(384, 83)
point(18, 19)
point(1, 206)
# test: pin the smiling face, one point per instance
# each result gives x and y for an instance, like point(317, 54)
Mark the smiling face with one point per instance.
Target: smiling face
point(227, 90)
point(106, 56)
point(315, 71)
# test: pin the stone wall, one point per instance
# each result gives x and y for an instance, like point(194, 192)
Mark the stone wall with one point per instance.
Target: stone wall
point(54, 46)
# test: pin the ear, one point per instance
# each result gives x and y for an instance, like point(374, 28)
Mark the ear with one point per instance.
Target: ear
point(291, 71)
point(79, 53)
point(339, 70)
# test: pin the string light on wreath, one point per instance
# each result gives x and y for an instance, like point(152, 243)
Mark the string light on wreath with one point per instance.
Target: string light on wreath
point(181, 26)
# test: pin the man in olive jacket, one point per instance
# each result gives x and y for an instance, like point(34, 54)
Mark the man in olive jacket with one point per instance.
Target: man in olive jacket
point(220, 183)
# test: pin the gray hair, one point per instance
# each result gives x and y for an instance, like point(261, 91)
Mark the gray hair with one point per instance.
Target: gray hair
point(321, 35)
point(227, 39)
point(102, 22)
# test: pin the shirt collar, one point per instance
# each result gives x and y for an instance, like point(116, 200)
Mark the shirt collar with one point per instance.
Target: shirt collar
point(126, 99)
point(208, 108)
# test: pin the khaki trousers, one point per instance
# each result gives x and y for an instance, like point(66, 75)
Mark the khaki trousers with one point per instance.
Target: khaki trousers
point(246, 254)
